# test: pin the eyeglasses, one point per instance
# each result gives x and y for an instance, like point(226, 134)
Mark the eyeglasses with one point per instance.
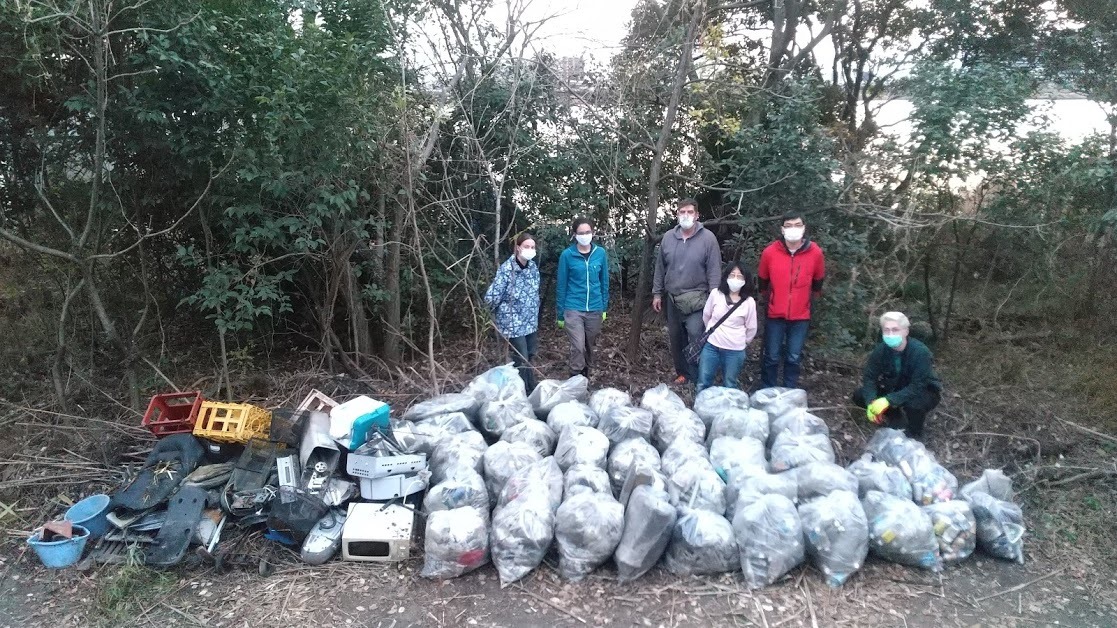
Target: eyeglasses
point(583, 233)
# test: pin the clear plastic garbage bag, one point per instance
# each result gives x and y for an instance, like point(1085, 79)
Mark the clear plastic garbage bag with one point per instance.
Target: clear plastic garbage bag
point(627, 455)
point(901, 532)
point(660, 399)
point(751, 423)
point(542, 478)
point(570, 413)
point(551, 392)
point(769, 537)
point(822, 478)
point(955, 529)
point(702, 542)
point(625, 422)
point(498, 382)
point(713, 401)
point(522, 532)
point(649, 520)
point(534, 433)
point(465, 489)
point(836, 535)
point(744, 489)
point(696, 485)
point(585, 478)
point(588, 528)
point(604, 400)
point(582, 445)
point(676, 425)
point(793, 450)
point(681, 452)
point(443, 404)
point(457, 542)
point(797, 421)
point(1000, 526)
point(737, 456)
point(930, 481)
point(993, 482)
point(879, 476)
point(466, 448)
point(502, 461)
point(777, 401)
point(501, 414)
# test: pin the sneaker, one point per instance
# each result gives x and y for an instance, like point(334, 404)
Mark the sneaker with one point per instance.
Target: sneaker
point(680, 380)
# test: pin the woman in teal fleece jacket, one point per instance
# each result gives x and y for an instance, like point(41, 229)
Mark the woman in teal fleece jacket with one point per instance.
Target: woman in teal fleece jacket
point(582, 294)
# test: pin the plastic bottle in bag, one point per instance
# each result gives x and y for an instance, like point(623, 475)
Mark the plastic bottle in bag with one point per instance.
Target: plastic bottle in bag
point(628, 454)
point(891, 446)
point(837, 535)
point(649, 520)
point(466, 448)
point(955, 529)
point(677, 425)
point(702, 542)
point(777, 401)
point(769, 537)
point(533, 433)
point(930, 481)
point(1000, 526)
point(522, 532)
point(582, 478)
point(588, 528)
point(604, 400)
point(661, 399)
point(465, 488)
point(878, 476)
point(696, 485)
point(793, 450)
point(500, 381)
point(570, 413)
point(503, 460)
point(582, 445)
point(822, 478)
point(457, 542)
point(738, 456)
point(625, 422)
point(738, 423)
point(713, 401)
point(899, 531)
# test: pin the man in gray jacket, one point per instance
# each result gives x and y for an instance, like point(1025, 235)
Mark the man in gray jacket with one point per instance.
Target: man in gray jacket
point(687, 268)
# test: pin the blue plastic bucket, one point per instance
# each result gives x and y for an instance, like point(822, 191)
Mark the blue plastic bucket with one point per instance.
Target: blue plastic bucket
point(91, 513)
point(60, 553)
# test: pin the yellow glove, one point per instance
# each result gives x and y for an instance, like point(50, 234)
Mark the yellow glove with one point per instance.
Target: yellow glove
point(562, 324)
point(604, 315)
point(876, 409)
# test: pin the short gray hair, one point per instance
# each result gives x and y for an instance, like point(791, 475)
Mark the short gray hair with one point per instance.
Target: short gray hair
point(895, 317)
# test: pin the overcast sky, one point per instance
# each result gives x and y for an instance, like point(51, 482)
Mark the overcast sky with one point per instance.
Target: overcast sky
point(581, 27)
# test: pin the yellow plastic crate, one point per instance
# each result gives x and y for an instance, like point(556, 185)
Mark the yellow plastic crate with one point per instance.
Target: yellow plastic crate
point(231, 422)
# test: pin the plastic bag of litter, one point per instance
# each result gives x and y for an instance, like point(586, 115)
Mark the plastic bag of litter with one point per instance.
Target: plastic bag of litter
point(502, 461)
point(713, 401)
point(793, 450)
point(681, 452)
point(501, 414)
point(769, 539)
point(778, 401)
point(625, 422)
point(798, 422)
point(649, 520)
point(822, 478)
point(1000, 526)
point(457, 542)
point(465, 488)
point(443, 404)
point(930, 481)
point(551, 392)
point(743, 489)
point(604, 400)
point(702, 542)
point(955, 529)
point(900, 531)
point(661, 399)
point(542, 478)
point(642, 476)
point(993, 482)
point(677, 425)
point(452, 422)
point(582, 445)
point(628, 454)
point(732, 457)
point(891, 446)
point(570, 413)
point(466, 449)
point(751, 423)
point(837, 535)
point(522, 532)
point(696, 485)
point(533, 433)
point(588, 528)
point(585, 478)
point(498, 382)
point(878, 476)
point(417, 438)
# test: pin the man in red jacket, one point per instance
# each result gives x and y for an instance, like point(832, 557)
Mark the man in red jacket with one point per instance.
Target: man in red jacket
point(790, 271)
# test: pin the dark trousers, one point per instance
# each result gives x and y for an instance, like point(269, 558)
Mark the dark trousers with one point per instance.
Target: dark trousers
point(682, 329)
point(908, 417)
point(783, 343)
point(524, 349)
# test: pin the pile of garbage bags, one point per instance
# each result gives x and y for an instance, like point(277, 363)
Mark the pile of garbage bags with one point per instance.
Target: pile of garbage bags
point(734, 483)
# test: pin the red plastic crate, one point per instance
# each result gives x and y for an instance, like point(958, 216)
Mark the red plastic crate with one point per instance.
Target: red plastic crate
point(172, 413)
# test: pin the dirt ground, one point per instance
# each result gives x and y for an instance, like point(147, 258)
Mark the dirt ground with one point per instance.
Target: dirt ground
point(1060, 471)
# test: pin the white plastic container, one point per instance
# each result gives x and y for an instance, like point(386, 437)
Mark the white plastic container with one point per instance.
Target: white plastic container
point(350, 422)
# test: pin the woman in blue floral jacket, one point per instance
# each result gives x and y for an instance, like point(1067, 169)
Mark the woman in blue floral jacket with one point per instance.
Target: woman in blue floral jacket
point(513, 298)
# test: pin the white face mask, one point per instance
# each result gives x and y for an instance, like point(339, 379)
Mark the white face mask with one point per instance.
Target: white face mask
point(686, 222)
point(527, 254)
point(584, 239)
point(735, 284)
point(793, 234)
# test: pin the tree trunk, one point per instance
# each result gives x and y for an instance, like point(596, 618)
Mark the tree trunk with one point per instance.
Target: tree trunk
point(393, 340)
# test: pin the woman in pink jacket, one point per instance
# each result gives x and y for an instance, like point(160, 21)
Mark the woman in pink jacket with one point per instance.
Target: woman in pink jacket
point(725, 348)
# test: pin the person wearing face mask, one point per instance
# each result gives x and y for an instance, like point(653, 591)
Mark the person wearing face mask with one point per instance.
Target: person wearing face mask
point(513, 298)
point(687, 269)
point(791, 271)
point(582, 294)
point(898, 385)
point(730, 319)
